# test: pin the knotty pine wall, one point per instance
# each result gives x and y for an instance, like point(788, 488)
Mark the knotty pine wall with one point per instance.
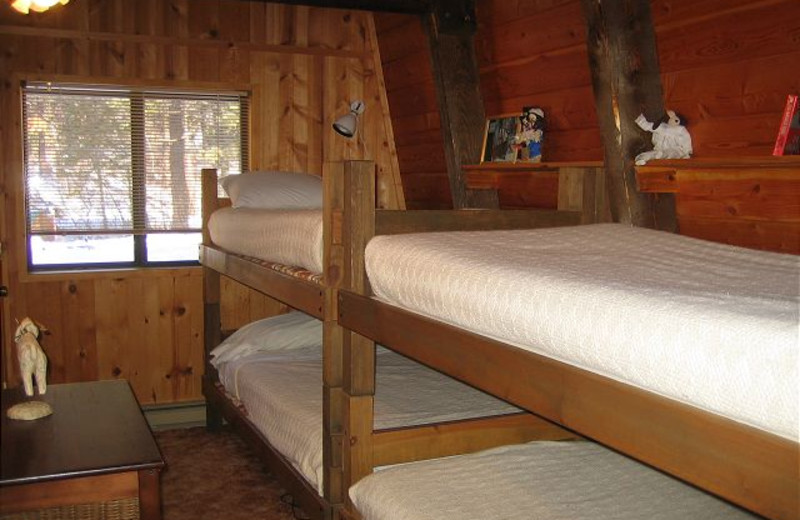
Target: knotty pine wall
point(302, 65)
point(727, 65)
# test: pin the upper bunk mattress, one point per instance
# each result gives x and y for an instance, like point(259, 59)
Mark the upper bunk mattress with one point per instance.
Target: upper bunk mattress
point(290, 237)
point(282, 393)
point(711, 325)
point(552, 480)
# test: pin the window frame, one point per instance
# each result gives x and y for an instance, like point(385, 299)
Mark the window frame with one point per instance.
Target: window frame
point(138, 93)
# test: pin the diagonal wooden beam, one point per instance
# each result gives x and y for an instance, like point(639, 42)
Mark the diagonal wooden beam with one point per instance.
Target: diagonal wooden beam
point(451, 29)
point(625, 77)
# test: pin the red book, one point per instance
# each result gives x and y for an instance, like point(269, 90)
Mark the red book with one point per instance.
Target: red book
point(788, 141)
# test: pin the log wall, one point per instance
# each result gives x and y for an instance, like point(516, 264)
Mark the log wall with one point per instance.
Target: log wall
point(727, 65)
point(302, 66)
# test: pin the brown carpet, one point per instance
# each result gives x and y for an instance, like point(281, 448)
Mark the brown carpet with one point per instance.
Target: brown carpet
point(216, 476)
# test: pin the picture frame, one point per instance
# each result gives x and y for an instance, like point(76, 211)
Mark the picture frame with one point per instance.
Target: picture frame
point(530, 136)
point(499, 139)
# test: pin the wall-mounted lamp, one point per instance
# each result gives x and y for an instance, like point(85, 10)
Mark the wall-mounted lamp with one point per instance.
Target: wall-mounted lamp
point(40, 6)
point(346, 125)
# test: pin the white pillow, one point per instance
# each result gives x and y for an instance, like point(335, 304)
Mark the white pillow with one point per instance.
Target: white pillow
point(274, 190)
point(290, 331)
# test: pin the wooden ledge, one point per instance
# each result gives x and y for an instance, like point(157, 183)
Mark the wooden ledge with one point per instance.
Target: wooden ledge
point(541, 176)
point(765, 161)
point(530, 166)
point(666, 176)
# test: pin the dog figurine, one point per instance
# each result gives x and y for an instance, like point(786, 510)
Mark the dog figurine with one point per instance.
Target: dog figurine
point(32, 360)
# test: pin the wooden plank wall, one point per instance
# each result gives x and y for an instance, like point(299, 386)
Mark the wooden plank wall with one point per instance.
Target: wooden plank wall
point(415, 113)
point(302, 65)
point(727, 65)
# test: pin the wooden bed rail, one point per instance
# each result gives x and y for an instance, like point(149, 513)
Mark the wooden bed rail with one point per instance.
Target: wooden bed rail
point(400, 445)
point(392, 222)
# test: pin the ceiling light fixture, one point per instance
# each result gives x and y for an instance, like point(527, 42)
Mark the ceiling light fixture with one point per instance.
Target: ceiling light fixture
point(40, 6)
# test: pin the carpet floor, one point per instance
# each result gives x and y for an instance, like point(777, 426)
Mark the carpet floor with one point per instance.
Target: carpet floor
point(214, 476)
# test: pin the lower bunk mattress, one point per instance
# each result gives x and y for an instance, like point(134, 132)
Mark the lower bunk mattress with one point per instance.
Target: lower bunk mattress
point(281, 391)
point(534, 481)
point(288, 237)
point(707, 324)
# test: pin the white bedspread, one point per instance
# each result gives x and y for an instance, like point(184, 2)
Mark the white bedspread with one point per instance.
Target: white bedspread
point(711, 325)
point(540, 480)
point(290, 237)
point(282, 392)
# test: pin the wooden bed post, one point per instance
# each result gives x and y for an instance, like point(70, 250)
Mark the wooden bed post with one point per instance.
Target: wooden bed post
point(625, 77)
point(332, 355)
point(582, 188)
point(359, 351)
point(212, 326)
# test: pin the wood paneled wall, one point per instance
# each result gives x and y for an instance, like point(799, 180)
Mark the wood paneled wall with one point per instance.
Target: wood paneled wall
point(727, 65)
point(415, 113)
point(302, 65)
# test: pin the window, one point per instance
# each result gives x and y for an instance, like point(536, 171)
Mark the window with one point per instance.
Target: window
point(112, 175)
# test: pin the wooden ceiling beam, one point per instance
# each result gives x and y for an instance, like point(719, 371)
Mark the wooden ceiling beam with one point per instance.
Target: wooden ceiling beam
point(389, 6)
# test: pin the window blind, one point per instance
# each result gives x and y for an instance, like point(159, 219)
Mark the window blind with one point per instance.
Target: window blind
point(102, 160)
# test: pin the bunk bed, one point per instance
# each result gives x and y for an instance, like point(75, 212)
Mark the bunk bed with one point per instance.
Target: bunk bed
point(315, 294)
point(751, 459)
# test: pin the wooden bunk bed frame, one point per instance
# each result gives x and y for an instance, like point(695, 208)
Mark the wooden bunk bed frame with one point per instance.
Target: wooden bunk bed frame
point(747, 466)
point(342, 221)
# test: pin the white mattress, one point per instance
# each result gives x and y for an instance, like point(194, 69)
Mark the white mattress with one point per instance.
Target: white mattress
point(282, 392)
point(290, 237)
point(540, 480)
point(707, 324)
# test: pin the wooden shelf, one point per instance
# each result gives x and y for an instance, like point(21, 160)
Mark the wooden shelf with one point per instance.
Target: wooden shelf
point(541, 176)
point(530, 166)
point(574, 186)
point(666, 176)
point(766, 161)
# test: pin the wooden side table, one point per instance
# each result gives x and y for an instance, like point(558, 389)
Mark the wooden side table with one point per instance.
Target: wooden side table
point(96, 448)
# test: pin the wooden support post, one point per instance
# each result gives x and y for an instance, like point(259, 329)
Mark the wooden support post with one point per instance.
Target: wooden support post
point(208, 204)
point(212, 321)
point(582, 188)
point(332, 335)
point(359, 351)
point(625, 76)
point(450, 28)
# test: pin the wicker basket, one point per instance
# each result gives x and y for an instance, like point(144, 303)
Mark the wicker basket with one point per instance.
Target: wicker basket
point(124, 509)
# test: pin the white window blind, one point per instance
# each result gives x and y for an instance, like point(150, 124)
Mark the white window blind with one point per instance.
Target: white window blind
point(112, 161)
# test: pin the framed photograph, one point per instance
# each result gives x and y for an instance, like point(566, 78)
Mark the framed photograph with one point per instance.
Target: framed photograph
point(531, 134)
point(499, 139)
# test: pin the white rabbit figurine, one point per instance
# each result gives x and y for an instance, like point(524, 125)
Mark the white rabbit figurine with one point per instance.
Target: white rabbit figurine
point(671, 140)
